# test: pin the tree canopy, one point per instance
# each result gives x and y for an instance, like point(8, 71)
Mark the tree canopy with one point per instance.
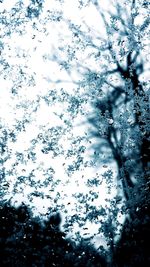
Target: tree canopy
point(75, 122)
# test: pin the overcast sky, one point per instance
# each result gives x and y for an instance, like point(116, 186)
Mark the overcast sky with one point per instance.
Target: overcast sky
point(28, 50)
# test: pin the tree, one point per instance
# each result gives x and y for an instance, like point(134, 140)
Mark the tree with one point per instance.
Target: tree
point(120, 121)
point(27, 241)
point(124, 107)
point(116, 87)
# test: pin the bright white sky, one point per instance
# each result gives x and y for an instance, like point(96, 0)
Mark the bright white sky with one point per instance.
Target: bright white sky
point(46, 43)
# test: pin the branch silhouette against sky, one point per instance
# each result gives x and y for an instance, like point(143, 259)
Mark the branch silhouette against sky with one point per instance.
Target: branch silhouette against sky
point(74, 140)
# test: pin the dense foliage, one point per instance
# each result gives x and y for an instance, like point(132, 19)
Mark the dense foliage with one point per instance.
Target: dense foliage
point(25, 241)
point(91, 76)
point(121, 124)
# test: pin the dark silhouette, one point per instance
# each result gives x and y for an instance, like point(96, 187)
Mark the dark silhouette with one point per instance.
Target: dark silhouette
point(27, 241)
point(55, 220)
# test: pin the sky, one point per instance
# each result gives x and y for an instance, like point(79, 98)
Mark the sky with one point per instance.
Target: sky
point(34, 51)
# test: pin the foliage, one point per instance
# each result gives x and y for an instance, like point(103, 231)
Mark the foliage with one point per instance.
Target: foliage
point(120, 120)
point(27, 241)
point(111, 93)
